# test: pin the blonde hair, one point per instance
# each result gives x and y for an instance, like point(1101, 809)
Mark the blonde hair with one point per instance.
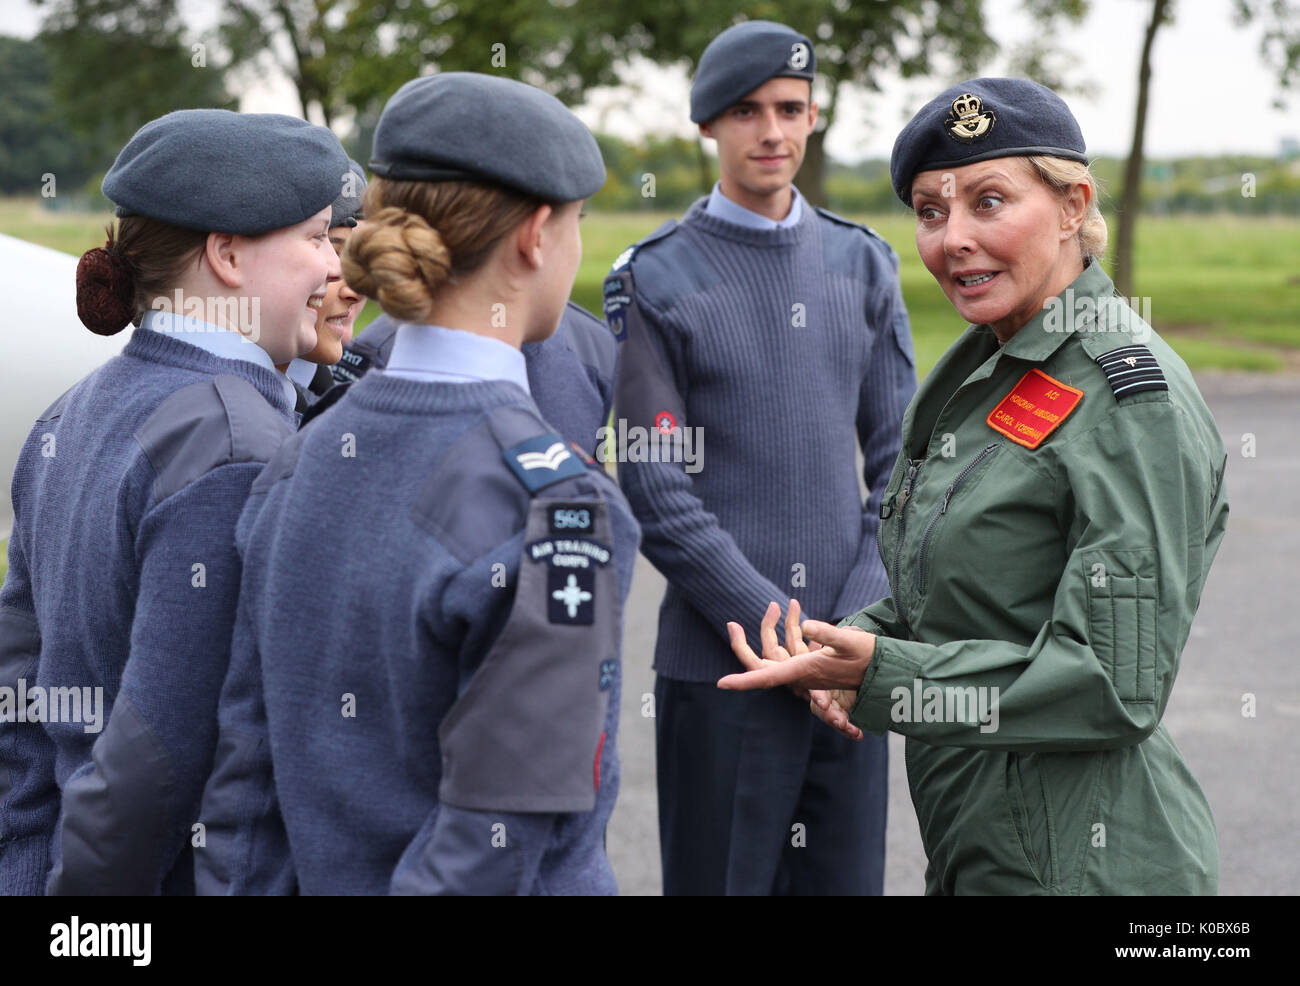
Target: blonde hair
point(419, 235)
point(1060, 174)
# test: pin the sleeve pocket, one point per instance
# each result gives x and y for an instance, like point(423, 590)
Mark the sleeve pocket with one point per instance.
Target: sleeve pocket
point(1122, 605)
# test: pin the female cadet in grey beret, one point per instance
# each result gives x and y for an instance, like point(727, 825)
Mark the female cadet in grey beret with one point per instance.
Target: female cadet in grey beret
point(440, 709)
point(310, 372)
point(116, 614)
point(1048, 530)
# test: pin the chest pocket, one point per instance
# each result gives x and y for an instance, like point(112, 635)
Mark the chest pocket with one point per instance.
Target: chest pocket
point(968, 475)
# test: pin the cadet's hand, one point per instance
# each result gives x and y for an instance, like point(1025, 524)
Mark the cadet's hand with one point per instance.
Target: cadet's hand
point(832, 707)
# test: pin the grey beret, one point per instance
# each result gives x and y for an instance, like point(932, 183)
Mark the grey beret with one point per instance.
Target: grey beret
point(982, 119)
point(466, 126)
point(347, 207)
point(221, 172)
point(741, 59)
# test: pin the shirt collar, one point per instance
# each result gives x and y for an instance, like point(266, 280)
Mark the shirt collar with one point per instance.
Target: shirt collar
point(301, 372)
point(1068, 312)
point(222, 343)
point(435, 352)
point(721, 207)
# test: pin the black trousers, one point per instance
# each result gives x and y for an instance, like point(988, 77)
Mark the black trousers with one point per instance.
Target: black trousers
point(758, 797)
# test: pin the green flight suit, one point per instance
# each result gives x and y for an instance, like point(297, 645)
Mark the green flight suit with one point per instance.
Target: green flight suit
point(1065, 576)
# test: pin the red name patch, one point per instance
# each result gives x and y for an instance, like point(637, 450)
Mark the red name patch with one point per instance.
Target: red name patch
point(1034, 409)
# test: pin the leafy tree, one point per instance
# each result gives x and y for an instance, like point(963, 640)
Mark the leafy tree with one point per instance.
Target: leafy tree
point(117, 64)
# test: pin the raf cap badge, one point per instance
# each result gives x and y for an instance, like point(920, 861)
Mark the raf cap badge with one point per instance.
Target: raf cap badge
point(969, 120)
point(798, 56)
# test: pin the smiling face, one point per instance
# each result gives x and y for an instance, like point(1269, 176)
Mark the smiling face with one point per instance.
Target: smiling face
point(997, 239)
point(761, 141)
point(288, 271)
point(337, 315)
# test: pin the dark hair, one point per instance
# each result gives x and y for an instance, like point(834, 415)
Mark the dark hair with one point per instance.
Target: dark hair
point(141, 260)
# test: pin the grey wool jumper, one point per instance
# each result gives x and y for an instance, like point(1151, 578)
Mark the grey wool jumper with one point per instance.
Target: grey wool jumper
point(123, 577)
point(778, 353)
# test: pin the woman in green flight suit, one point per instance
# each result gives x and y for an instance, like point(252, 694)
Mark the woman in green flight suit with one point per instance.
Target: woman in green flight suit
point(1047, 530)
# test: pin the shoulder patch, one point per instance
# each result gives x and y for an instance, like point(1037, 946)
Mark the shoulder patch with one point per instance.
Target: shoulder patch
point(1132, 370)
point(542, 461)
point(619, 290)
point(209, 424)
point(352, 365)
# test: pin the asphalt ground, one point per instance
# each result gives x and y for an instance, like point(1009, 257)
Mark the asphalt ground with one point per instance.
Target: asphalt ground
point(1244, 643)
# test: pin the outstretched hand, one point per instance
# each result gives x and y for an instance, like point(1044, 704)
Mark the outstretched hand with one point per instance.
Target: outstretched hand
point(831, 673)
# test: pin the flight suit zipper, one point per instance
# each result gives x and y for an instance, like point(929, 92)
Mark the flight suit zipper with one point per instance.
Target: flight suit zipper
point(912, 467)
point(942, 509)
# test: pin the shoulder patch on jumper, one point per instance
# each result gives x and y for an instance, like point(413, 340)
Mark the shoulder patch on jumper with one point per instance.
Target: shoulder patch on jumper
point(206, 425)
point(1035, 408)
point(1132, 370)
point(542, 461)
point(619, 290)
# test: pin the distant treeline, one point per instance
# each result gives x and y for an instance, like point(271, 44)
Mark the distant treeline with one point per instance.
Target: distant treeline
point(666, 174)
point(669, 174)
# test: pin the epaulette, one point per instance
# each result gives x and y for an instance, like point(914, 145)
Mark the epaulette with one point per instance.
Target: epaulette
point(619, 289)
point(849, 222)
point(1131, 370)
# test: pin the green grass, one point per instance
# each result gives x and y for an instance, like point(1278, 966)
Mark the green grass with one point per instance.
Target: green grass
point(1224, 291)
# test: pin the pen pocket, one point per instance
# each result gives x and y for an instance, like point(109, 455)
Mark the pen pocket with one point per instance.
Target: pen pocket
point(1122, 606)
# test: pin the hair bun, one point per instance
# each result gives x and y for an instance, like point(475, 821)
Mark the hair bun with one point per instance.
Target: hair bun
point(105, 291)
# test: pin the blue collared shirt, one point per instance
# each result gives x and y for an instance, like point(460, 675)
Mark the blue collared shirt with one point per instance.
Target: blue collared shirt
point(222, 343)
point(301, 372)
point(722, 207)
point(435, 352)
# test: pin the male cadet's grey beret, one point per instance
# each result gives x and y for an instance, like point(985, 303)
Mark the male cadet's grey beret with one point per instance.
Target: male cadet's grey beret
point(741, 59)
point(347, 207)
point(463, 126)
point(981, 119)
point(221, 172)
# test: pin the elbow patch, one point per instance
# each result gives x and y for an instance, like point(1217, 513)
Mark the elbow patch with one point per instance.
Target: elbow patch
point(113, 839)
point(1123, 602)
point(526, 734)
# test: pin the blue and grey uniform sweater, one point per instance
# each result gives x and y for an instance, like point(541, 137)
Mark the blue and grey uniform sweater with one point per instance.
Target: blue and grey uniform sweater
point(441, 707)
point(123, 577)
point(781, 350)
point(571, 373)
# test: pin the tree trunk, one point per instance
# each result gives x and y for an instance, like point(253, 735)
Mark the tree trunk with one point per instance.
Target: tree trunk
point(706, 172)
point(811, 177)
point(1131, 198)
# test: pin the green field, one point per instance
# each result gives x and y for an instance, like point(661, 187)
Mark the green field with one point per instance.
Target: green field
point(1225, 291)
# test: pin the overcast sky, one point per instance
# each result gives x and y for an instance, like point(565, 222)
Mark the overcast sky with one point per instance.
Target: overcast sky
point(1210, 93)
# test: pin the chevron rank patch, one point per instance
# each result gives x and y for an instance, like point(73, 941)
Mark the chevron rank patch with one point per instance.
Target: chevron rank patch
point(1131, 370)
point(543, 460)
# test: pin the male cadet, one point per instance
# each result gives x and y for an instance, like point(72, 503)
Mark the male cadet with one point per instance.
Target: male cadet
point(570, 374)
point(768, 333)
